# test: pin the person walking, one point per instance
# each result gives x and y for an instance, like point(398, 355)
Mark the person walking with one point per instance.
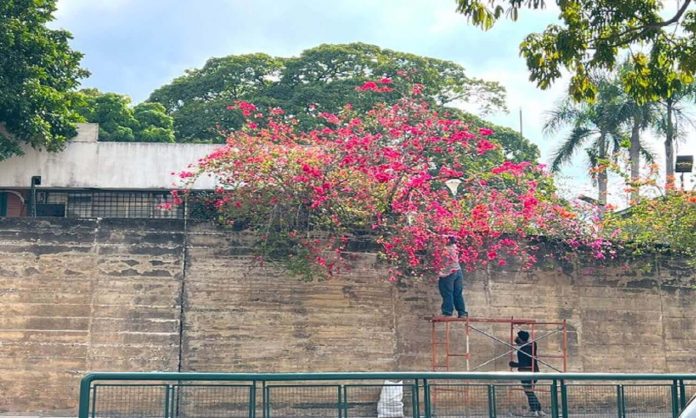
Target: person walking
point(527, 362)
point(450, 282)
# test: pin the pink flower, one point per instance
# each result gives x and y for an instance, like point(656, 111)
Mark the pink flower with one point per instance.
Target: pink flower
point(385, 80)
point(450, 173)
point(330, 117)
point(486, 132)
point(368, 86)
point(246, 108)
point(484, 146)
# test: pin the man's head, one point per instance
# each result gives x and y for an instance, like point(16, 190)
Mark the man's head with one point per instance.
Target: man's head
point(451, 240)
point(522, 337)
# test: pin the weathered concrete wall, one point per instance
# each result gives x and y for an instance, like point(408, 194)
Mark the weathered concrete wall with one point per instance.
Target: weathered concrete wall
point(105, 165)
point(79, 296)
point(85, 295)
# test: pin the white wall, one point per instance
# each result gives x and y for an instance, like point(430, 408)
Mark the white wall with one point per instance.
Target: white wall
point(106, 165)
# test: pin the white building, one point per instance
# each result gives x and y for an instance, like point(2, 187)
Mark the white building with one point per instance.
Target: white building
point(98, 179)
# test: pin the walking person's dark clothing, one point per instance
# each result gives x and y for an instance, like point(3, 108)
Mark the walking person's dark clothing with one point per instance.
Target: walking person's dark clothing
point(527, 362)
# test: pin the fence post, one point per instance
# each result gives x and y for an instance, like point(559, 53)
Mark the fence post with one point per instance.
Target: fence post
point(167, 400)
point(342, 402)
point(682, 398)
point(426, 395)
point(85, 387)
point(266, 401)
point(491, 401)
point(414, 400)
point(675, 399)
point(564, 399)
point(252, 400)
point(554, 399)
point(620, 401)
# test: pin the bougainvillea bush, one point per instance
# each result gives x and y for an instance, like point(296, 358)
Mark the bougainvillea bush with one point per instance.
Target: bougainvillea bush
point(663, 224)
point(383, 174)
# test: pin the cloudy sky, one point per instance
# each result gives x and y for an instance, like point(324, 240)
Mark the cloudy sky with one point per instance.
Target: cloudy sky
point(134, 46)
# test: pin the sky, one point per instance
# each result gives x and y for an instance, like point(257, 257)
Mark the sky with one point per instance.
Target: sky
point(134, 46)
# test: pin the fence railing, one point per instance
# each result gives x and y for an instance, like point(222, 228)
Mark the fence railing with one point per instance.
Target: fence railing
point(396, 394)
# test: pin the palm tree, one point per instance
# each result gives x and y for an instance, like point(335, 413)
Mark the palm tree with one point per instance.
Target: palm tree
point(636, 117)
point(603, 123)
point(597, 123)
point(672, 117)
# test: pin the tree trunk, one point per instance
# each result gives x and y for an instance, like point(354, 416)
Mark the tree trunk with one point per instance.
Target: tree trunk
point(634, 155)
point(602, 177)
point(669, 148)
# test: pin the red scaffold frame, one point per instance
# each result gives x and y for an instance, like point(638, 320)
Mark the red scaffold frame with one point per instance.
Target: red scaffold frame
point(470, 326)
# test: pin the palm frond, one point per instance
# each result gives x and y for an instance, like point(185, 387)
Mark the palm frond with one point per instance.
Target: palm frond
point(648, 154)
point(593, 162)
point(571, 144)
point(565, 113)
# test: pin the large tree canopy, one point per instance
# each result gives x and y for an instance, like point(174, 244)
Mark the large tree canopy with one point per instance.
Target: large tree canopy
point(323, 79)
point(658, 37)
point(118, 121)
point(198, 100)
point(37, 71)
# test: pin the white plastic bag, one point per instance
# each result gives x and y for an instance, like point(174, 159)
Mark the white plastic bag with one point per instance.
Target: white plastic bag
point(391, 404)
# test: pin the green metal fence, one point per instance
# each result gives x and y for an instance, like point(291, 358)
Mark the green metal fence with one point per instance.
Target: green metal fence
point(382, 395)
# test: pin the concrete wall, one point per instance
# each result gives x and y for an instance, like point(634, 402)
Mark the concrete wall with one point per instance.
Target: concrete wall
point(91, 295)
point(105, 165)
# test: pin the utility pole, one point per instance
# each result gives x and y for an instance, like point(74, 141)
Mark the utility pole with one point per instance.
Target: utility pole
point(521, 122)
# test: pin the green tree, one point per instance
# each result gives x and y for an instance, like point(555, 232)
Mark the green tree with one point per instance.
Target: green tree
point(596, 34)
point(118, 121)
point(636, 116)
point(515, 146)
point(601, 124)
point(198, 99)
point(154, 124)
point(37, 71)
point(672, 117)
point(664, 224)
point(327, 75)
point(325, 78)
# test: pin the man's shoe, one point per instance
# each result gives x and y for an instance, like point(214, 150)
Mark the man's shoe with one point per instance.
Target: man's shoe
point(541, 413)
point(463, 315)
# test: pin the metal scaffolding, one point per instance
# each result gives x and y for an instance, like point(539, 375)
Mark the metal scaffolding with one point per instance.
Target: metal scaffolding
point(447, 357)
point(456, 346)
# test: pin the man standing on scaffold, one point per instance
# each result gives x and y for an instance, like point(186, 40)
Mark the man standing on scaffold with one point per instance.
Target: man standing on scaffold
point(450, 282)
point(527, 362)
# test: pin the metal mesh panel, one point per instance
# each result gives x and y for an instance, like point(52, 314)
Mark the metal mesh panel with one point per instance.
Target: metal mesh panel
point(132, 401)
point(112, 204)
point(285, 401)
point(214, 401)
point(592, 400)
point(122, 205)
point(459, 400)
point(648, 401)
point(79, 205)
point(364, 400)
point(511, 399)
